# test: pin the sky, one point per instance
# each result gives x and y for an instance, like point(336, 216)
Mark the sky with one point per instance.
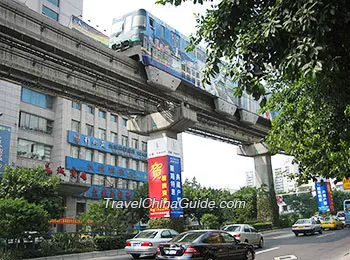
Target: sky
point(213, 163)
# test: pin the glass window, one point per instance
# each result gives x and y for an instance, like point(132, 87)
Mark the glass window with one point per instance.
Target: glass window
point(102, 114)
point(50, 13)
point(55, 2)
point(36, 98)
point(162, 32)
point(228, 238)
point(90, 109)
point(127, 25)
point(89, 130)
point(117, 28)
point(114, 118)
point(76, 105)
point(133, 164)
point(101, 157)
point(74, 152)
point(113, 160)
point(35, 123)
point(213, 238)
point(121, 183)
point(151, 23)
point(102, 134)
point(114, 137)
point(144, 146)
point(75, 126)
point(143, 166)
point(125, 122)
point(124, 162)
point(125, 140)
point(33, 150)
point(88, 155)
point(135, 143)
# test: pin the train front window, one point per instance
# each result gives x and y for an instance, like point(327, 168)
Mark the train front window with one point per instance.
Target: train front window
point(139, 21)
point(117, 28)
point(127, 26)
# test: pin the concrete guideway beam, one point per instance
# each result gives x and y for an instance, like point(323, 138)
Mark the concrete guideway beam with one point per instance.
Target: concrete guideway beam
point(172, 121)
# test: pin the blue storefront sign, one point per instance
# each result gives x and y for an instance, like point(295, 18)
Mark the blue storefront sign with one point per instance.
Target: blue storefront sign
point(323, 200)
point(105, 146)
point(105, 169)
point(175, 184)
point(100, 192)
point(5, 138)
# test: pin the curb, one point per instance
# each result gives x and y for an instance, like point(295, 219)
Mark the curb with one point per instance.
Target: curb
point(275, 230)
point(87, 255)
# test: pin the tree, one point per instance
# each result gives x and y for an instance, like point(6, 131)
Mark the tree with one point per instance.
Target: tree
point(298, 53)
point(106, 220)
point(140, 213)
point(267, 208)
point(304, 204)
point(210, 221)
point(338, 199)
point(34, 186)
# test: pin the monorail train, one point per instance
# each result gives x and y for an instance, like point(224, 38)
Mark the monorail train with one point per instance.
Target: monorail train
point(161, 49)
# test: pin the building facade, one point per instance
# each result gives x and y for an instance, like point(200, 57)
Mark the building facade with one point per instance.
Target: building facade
point(59, 10)
point(283, 182)
point(250, 179)
point(87, 146)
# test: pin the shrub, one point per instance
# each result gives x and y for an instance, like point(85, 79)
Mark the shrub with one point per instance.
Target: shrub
point(177, 224)
point(111, 242)
point(263, 226)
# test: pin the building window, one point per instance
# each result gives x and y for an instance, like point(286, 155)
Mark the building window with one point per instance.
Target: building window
point(89, 130)
point(114, 118)
point(102, 114)
point(121, 183)
point(54, 2)
point(144, 146)
point(33, 150)
point(125, 140)
point(90, 109)
point(102, 134)
point(143, 166)
point(101, 157)
point(75, 126)
point(88, 155)
point(50, 13)
point(35, 123)
point(113, 160)
point(76, 105)
point(125, 122)
point(133, 164)
point(114, 137)
point(124, 162)
point(74, 151)
point(135, 143)
point(36, 98)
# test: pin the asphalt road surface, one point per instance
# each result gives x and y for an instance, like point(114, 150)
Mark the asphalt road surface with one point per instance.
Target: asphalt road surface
point(284, 245)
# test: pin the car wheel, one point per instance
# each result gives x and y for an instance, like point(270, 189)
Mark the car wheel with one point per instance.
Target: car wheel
point(320, 231)
point(249, 255)
point(261, 243)
point(296, 234)
point(135, 256)
point(209, 257)
point(246, 241)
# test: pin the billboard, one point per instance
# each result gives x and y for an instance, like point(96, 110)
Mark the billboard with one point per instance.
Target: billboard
point(324, 197)
point(346, 183)
point(5, 138)
point(81, 26)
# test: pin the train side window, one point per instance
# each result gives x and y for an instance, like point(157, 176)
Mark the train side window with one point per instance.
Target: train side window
point(162, 32)
point(151, 23)
point(128, 23)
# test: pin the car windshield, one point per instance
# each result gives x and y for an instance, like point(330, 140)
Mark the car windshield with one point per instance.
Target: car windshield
point(147, 234)
point(341, 215)
point(232, 228)
point(303, 221)
point(187, 237)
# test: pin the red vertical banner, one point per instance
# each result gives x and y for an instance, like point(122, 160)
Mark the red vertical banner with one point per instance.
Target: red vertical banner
point(158, 189)
point(330, 196)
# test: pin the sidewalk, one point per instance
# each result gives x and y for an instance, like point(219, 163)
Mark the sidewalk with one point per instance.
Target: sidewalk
point(87, 255)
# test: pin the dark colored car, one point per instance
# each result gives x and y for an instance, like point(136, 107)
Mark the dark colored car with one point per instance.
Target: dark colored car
point(205, 244)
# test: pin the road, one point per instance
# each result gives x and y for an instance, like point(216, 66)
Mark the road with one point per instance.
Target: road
point(283, 245)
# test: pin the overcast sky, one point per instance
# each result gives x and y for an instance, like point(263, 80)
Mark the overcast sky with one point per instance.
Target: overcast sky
point(213, 163)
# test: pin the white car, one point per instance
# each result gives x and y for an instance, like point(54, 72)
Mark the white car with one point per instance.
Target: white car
point(146, 242)
point(341, 216)
point(245, 233)
point(306, 226)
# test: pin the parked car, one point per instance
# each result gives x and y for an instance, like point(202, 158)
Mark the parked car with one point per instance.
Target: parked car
point(147, 241)
point(306, 226)
point(332, 223)
point(205, 244)
point(245, 233)
point(341, 216)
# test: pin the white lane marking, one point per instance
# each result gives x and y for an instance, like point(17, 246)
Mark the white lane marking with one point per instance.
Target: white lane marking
point(325, 235)
point(266, 250)
point(286, 257)
point(283, 236)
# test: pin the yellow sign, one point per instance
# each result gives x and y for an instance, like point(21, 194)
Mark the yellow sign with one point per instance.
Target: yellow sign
point(346, 183)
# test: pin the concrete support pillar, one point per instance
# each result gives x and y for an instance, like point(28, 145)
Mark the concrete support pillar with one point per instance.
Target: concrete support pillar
point(263, 170)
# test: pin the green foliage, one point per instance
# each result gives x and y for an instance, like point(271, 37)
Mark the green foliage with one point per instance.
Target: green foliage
point(267, 209)
point(287, 220)
point(141, 213)
point(262, 226)
point(111, 242)
point(34, 186)
point(300, 50)
point(210, 221)
point(18, 216)
point(338, 199)
point(104, 220)
point(177, 224)
point(304, 204)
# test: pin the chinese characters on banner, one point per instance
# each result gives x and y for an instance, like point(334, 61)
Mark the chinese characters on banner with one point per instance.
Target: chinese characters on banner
point(324, 197)
point(164, 177)
point(5, 137)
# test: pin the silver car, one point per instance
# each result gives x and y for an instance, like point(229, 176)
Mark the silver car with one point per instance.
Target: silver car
point(306, 226)
point(245, 233)
point(147, 241)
